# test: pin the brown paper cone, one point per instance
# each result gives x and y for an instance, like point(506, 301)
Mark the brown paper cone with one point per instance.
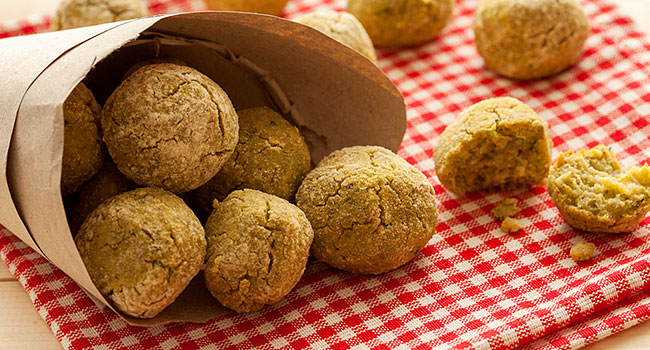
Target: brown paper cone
point(335, 96)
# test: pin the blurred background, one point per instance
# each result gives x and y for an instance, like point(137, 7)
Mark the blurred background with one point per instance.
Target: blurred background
point(14, 9)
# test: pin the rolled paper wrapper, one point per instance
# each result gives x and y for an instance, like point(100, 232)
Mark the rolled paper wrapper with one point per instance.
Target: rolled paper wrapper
point(335, 96)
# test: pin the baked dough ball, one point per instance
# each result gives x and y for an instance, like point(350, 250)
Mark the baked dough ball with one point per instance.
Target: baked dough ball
point(342, 27)
point(107, 183)
point(395, 23)
point(169, 126)
point(80, 13)
point(271, 157)
point(271, 7)
point(371, 211)
point(83, 152)
point(499, 143)
point(530, 39)
point(141, 249)
point(258, 245)
point(594, 193)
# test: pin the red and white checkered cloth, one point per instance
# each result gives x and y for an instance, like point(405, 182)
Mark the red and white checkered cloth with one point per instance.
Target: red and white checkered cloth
point(472, 286)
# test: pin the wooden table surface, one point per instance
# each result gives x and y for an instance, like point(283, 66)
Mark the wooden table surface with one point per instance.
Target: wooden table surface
point(21, 327)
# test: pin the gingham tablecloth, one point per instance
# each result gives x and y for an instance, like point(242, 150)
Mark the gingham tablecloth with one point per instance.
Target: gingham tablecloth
point(472, 286)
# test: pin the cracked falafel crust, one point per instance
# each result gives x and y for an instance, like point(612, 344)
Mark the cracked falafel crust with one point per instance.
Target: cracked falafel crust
point(343, 27)
point(271, 156)
point(371, 211)
point(530, 39)
point(499, 143)
point(80, 13)
point(258, 245)
point(83, 151)
point(593, 192)
point(141, 249)
point(169, 126)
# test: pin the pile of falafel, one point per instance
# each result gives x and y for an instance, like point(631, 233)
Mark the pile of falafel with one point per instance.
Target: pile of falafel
point(168, 149)
point(167, 179)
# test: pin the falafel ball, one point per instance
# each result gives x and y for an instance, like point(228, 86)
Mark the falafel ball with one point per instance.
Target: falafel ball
point(83, 151)
point(271, 157)
point(397, 23)
point(524, 39)
point(141, 249)
point(258, 245)
point(81, 13)
point(343, 27)
point(371, 211)
point(169, 126)
point(593, 192)
point(498, 143)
